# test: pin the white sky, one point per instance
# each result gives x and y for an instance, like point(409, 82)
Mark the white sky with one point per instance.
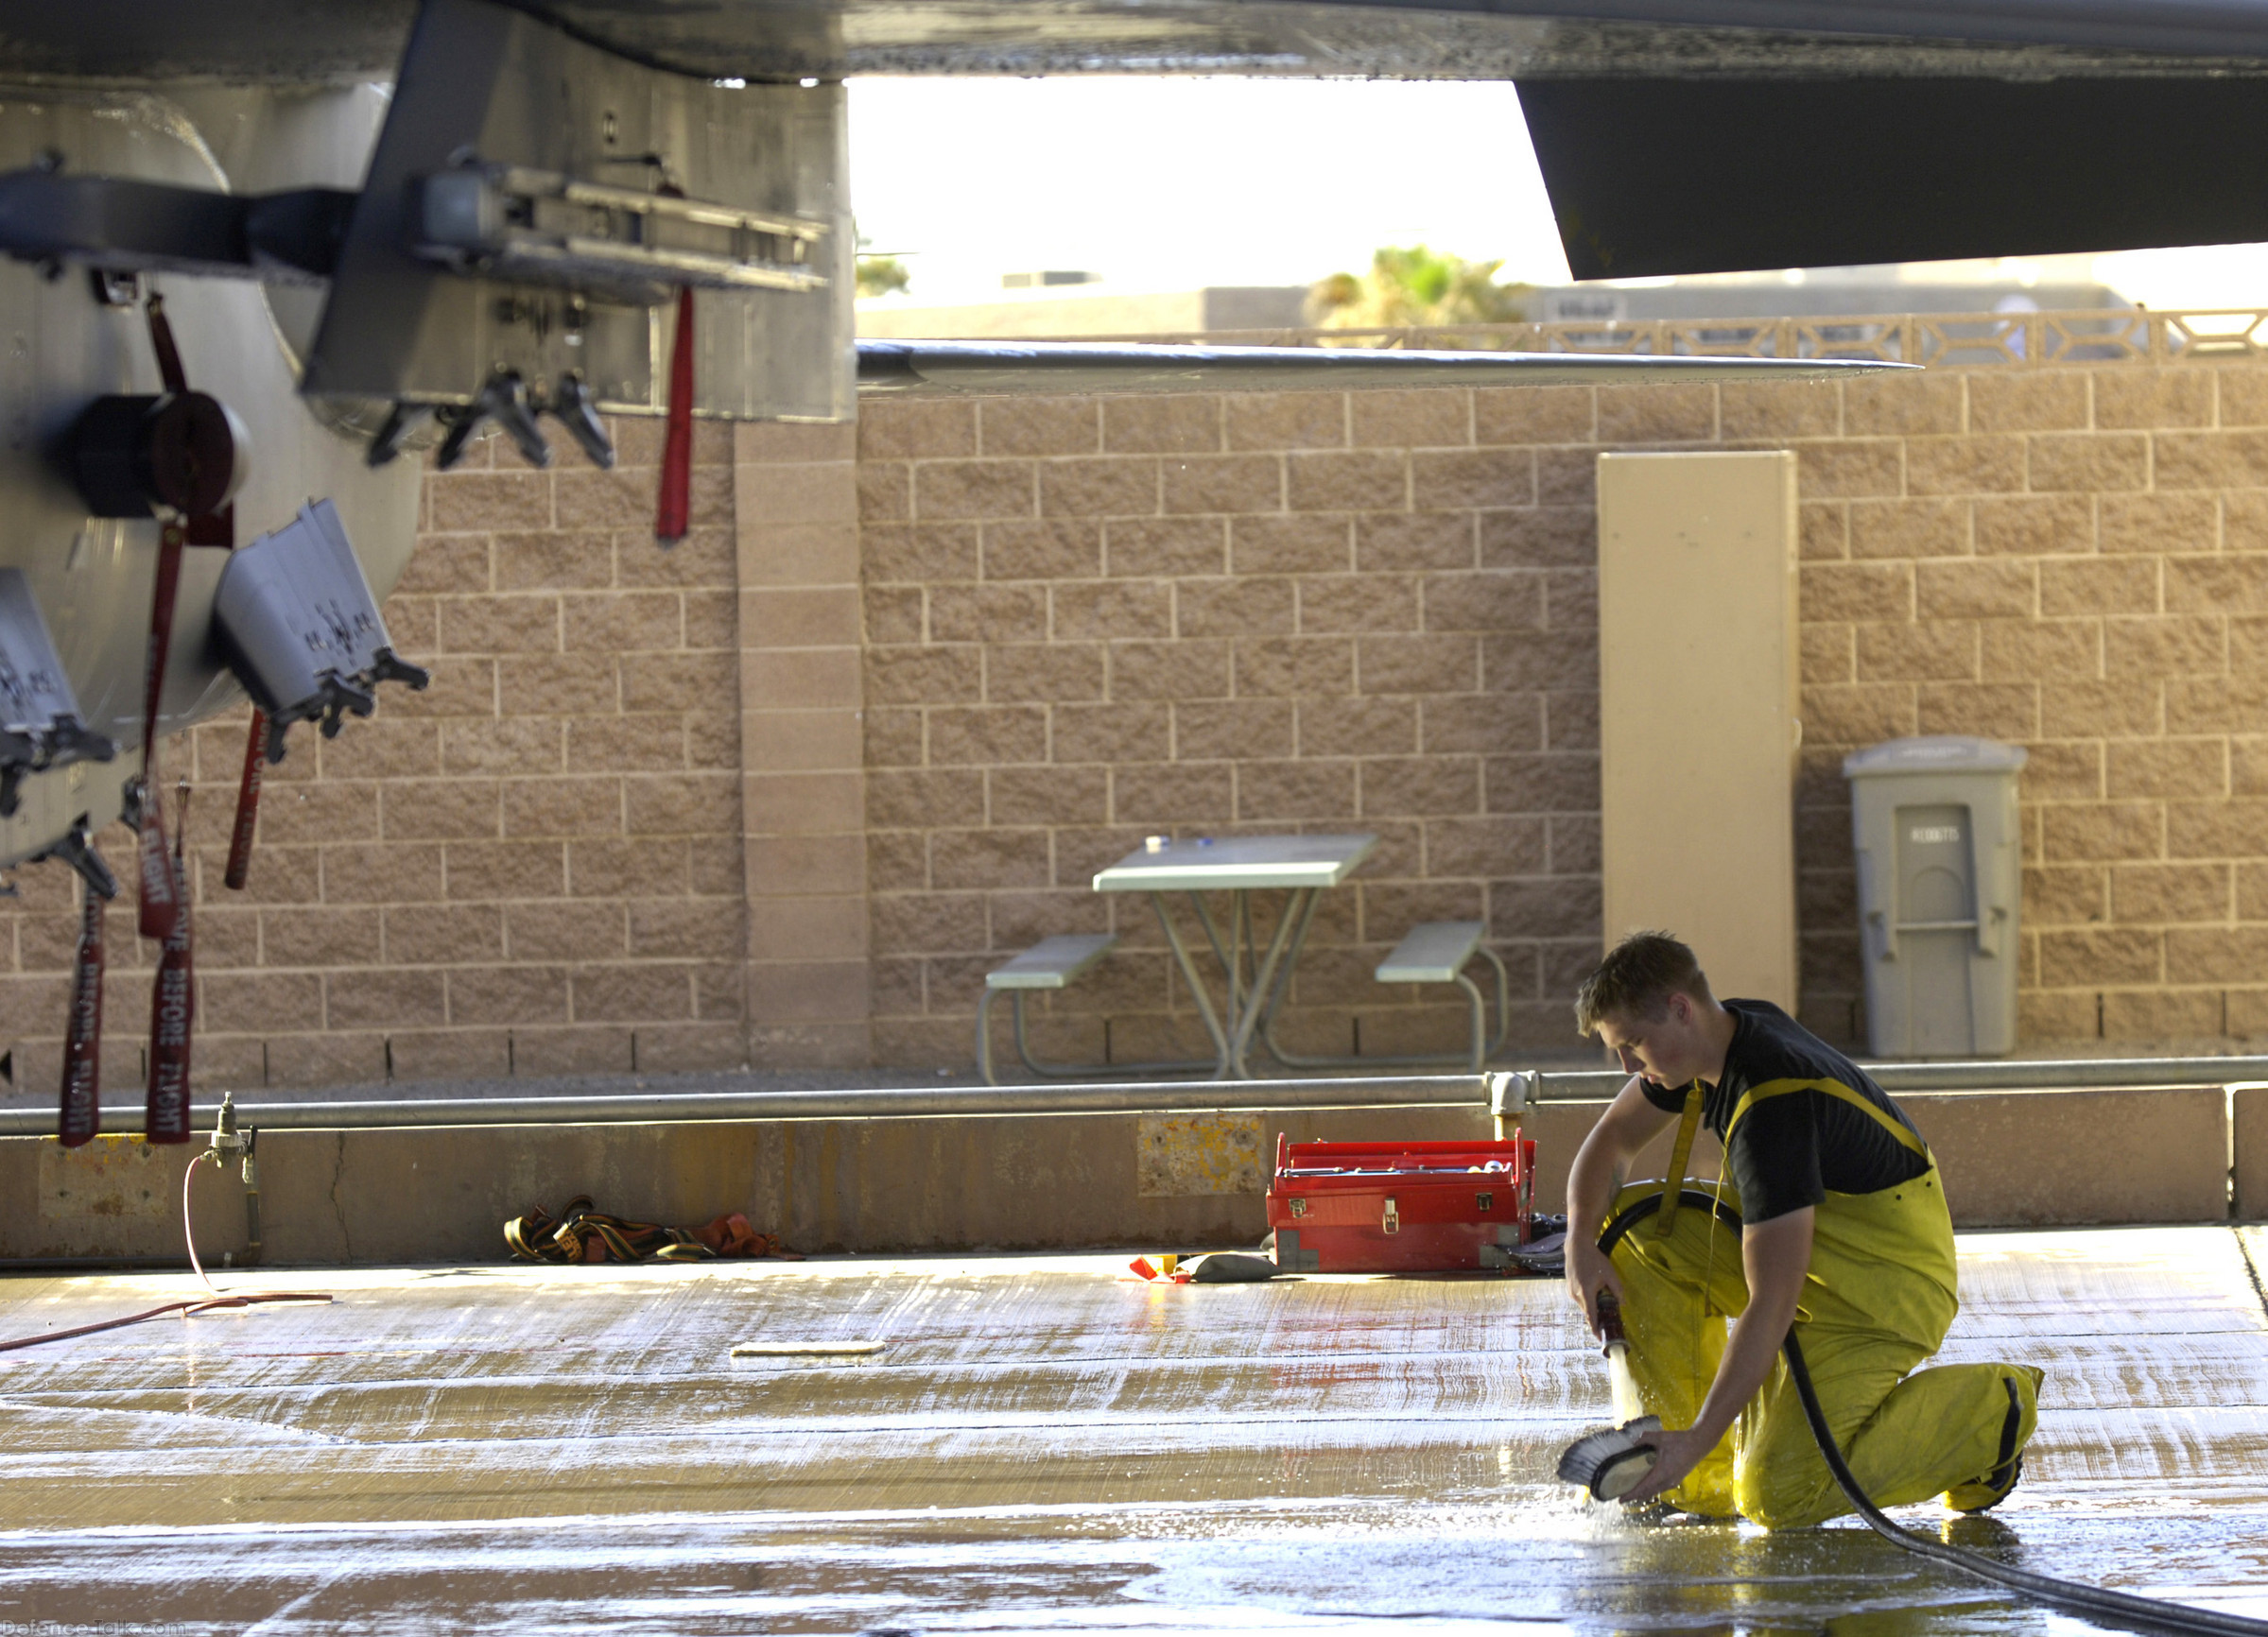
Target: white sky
point(1169, 184)
point(1175, 184)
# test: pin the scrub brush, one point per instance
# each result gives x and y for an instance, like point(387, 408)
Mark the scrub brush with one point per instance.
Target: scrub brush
point(1610, 1463)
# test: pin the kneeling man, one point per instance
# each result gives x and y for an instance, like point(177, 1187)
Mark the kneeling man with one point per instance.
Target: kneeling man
point(1831, 1219)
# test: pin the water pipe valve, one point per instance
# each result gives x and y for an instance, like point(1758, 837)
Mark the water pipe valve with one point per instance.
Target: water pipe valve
point(227, 1144)
point(1512, 1094)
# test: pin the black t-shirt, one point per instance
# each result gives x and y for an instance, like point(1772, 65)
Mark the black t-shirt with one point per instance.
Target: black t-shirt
point(1804, 1120)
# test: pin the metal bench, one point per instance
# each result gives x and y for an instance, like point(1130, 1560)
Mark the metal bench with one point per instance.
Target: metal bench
point(1054, 964)
point(1051, 964)
point(1438, 952)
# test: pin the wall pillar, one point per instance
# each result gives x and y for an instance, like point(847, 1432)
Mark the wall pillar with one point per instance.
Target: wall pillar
point(802, 745)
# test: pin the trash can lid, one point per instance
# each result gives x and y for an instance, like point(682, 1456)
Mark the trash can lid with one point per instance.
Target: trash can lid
point(1935, 754)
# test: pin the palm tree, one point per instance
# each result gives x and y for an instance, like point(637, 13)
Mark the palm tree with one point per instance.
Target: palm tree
point(882, 275)
point(1416, 288)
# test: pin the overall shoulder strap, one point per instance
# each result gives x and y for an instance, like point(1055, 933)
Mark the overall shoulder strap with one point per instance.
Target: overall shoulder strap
point(1835, 1089)
point(1681, 1154)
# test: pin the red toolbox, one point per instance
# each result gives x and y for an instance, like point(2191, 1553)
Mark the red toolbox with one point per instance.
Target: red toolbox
point(1399, 1207)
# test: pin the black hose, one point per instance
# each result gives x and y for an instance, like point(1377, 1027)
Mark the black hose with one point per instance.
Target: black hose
point(2122, 1607)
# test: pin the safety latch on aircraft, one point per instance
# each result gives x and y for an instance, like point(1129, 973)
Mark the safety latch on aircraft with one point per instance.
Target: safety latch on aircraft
point(608, 243)
point(300, 629)
point(506, 401)
point(39, 714)
point(74, 846)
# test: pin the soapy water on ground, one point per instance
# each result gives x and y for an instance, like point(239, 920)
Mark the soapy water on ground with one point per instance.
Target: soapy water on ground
point(1538, 1566)
point(1042, 1447)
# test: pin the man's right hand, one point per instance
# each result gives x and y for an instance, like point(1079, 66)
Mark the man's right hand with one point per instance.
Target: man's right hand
point(1594, 1180)
point(1589, 1269)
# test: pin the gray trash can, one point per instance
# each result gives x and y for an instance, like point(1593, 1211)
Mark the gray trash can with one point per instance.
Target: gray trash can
point(1940, 868)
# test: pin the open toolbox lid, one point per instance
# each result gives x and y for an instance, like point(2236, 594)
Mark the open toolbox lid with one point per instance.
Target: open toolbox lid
point(1406, 1207)
point(1321, 1167)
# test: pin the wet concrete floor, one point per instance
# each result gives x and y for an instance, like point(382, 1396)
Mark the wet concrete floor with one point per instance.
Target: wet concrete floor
point(1041, 1443)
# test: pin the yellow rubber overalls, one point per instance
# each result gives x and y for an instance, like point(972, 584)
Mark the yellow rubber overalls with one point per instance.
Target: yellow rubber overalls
point(1878, 1299)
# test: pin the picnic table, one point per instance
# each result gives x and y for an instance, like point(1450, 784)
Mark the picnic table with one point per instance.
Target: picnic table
point(1303, 866)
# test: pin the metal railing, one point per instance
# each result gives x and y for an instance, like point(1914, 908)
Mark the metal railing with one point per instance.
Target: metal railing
point(2087, 336)
point(2044, 1074)
point(889, 1103)
point(1409, 1091)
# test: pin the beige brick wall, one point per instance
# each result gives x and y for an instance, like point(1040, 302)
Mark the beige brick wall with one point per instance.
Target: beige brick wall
point(1088, 620)
point(803, 744)
point(2076, 560)
point(784, 794)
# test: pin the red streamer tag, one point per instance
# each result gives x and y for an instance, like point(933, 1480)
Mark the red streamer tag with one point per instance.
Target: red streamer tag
point(159, 901)
point(161, 342)
point(248, 805)
point(172, 1012)
point(160, 909)
point(82, 1045)
point(674, 507)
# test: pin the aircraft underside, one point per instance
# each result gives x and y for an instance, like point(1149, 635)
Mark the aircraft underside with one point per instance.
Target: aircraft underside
point(305, 42)
point(382, 227)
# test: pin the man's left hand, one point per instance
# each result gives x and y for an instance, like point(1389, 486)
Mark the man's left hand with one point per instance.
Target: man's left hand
point(1680, 1452)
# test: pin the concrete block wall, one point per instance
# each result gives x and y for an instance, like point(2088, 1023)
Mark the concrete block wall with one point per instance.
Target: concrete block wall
point(1088, 620)
point(781, 796)
point(2075, 560)
point(803, 746)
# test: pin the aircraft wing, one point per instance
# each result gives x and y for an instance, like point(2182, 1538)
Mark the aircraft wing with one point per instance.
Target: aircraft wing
point(1454, 39)
point(1878, 131)
point(324, 41)
point(899, 368)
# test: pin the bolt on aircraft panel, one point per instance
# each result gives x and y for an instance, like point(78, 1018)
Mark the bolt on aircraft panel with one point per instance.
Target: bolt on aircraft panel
point(580, 192)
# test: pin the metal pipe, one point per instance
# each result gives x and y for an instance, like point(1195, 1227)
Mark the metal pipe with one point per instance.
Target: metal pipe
point(1153, 1098)
point(1136, 1097)
point(2043, 1075)
point(2074, 1074)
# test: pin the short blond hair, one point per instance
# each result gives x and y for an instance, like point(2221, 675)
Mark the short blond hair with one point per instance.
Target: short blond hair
point(1636, 979)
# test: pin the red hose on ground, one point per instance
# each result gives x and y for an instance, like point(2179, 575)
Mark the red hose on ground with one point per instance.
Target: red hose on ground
point(186, 1309)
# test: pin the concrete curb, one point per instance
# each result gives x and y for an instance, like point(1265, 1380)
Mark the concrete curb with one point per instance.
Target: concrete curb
point(361, 1197)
